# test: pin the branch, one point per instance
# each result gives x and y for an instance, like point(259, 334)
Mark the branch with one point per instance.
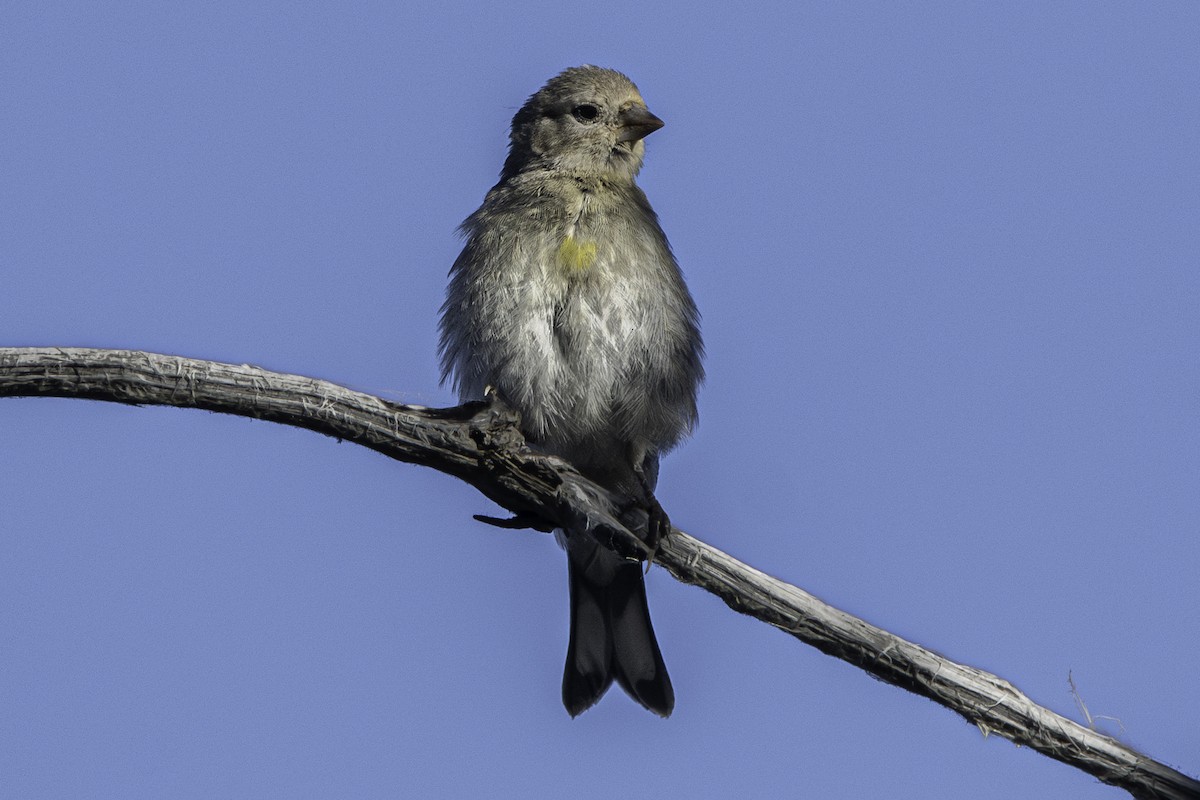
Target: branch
point(482, 445)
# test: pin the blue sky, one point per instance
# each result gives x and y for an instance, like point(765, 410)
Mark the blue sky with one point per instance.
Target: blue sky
point(947, 258)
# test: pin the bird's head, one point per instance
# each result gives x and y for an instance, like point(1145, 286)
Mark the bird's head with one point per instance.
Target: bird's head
point(587, 120)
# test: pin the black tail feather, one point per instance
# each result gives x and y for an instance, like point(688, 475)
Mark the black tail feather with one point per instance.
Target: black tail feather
point(612, 638)
point(637, 662)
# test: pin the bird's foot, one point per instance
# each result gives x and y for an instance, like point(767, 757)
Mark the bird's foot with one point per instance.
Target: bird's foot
point(658, 524)
point(658, 527)
point(518, 522)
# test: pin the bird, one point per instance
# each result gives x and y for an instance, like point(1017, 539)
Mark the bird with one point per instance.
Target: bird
point(567, 304)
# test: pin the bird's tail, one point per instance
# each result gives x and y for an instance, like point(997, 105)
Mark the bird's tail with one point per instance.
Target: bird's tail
point(612, 637)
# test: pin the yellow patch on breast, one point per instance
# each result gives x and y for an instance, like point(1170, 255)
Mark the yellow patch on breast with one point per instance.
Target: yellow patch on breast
point(574, 254)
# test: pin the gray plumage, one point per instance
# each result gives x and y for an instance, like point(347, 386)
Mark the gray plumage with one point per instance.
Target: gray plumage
point(567, 302)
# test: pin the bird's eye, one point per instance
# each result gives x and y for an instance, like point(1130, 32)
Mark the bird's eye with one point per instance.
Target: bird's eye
point(585, 113)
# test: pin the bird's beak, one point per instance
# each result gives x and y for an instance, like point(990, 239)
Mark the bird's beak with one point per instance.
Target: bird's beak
point(637, 123)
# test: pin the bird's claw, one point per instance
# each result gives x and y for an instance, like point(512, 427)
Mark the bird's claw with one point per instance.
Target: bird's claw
point(517, 522)
point(658, 527)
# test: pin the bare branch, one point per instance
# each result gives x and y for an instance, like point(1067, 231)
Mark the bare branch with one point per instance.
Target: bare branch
point(482, 445)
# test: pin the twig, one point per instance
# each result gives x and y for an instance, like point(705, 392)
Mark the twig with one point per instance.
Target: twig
point(481, 444)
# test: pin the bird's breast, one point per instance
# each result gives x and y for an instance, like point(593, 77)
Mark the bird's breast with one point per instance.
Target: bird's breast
point(575, 254)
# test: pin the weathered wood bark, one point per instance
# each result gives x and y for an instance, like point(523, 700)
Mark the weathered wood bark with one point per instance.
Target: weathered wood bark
point(481, 444)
